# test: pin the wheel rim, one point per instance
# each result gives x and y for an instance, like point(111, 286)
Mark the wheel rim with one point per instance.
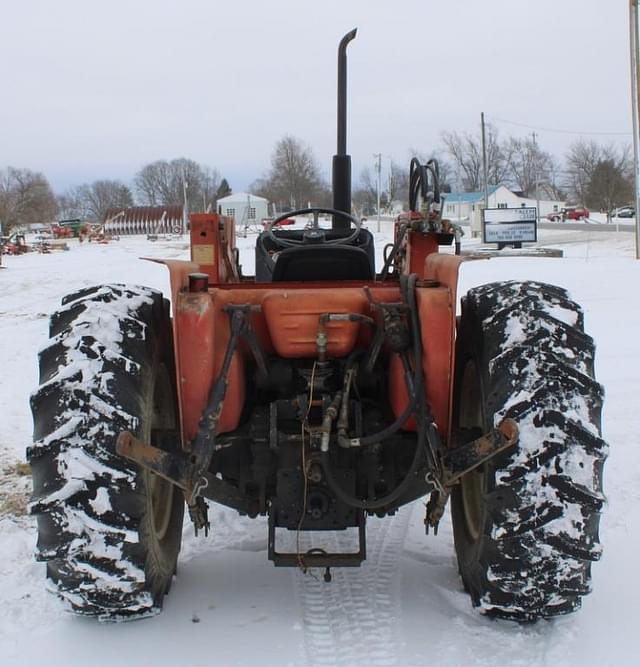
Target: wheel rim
point(473, 484)
point(472, 488)
point(160, 491)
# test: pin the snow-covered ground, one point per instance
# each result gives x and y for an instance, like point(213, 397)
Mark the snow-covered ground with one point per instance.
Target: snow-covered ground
point(405, 605)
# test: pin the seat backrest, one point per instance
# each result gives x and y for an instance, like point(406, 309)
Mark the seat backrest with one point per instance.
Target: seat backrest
point(322, 262)
point(265, 249)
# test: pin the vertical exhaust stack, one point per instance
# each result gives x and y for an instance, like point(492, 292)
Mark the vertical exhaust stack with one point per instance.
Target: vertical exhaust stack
point(341, 169)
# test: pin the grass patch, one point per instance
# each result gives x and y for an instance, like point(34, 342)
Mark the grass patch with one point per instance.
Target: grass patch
point(14, 496)
point(13, 504)
point(22, 469)
point(18, 469)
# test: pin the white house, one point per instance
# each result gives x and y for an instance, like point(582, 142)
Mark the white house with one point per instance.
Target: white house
point(463, 205)
point(247, 209)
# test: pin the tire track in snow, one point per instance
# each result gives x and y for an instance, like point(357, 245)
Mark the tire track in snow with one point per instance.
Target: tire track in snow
point(354, 620)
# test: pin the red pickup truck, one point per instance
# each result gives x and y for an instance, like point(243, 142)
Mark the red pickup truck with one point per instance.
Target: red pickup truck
point(569, 213)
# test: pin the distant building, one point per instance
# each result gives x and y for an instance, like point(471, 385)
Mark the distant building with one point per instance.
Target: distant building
point(247, 209)
point(463, 205)
point(145, 220)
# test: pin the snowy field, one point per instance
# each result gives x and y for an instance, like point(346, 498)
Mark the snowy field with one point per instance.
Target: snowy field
point(405, 606)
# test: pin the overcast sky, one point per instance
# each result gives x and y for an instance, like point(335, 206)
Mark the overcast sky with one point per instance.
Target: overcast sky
point(97, 89)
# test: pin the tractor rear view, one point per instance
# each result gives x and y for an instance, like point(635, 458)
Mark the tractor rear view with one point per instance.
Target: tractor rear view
point(317, 393)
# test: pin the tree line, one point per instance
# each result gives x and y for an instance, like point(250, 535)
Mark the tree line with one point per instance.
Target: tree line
point(26, 196)
point(159, 183)
point(597, 175)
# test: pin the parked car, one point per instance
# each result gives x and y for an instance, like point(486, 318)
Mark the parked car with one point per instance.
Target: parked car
point(624, 212)
point(568, 213)
point(574, 213)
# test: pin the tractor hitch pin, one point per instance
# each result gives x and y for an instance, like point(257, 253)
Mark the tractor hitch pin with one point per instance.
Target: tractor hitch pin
point(199, 515)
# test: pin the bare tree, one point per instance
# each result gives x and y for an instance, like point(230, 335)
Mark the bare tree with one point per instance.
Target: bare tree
point(609, 186)
point(529, 165)
point(163, 183)
point(153, 185)
point(97, 197)
point(588, 163)
point(294, 179)
point(581, 160)
point(71, 204)
point(368, 184)
point(466, 157)
point(398, 185)
point(209, 186)
point(364, 194)
point(392, 189)
point(25, 198)
point(465, 151)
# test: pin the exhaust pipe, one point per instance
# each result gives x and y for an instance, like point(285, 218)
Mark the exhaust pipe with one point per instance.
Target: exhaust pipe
point(341, 168)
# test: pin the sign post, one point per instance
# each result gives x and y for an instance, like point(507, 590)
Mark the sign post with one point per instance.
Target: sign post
point(509, 226)
point(635, 94)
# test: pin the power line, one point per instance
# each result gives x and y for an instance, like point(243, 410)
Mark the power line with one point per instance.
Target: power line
point(557, 131)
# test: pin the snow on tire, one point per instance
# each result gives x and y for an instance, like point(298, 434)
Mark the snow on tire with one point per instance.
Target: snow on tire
point(109, 531)
point(526, 523)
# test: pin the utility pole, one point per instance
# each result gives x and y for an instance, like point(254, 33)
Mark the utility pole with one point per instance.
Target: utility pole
point(378, 172)
point(484, 162)
point(635, 104)
point(535, 172)
point(185, 204)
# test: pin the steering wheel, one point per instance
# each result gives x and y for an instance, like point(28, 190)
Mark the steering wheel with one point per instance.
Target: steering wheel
point(313, 234)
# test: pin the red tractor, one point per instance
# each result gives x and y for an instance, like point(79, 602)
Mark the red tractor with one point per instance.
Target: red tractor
point(318, 393)
point(61, 231)
point(15, 244)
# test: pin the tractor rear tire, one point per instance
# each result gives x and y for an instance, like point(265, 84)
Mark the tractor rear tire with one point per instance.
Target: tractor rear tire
point(526, 523)
point(109, 531)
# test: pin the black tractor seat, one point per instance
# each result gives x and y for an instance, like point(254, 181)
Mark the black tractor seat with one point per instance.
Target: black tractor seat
point(315, 262)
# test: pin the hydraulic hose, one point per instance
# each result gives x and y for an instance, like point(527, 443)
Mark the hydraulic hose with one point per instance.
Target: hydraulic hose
point(419, 183)
point(408, 287)
point(352, 501)
point(402, 230)
point(392, 428)
point(423, 415)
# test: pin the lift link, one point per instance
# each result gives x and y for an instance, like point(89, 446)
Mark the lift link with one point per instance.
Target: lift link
point(458, 461)
point(191, 474)
point(176, 467)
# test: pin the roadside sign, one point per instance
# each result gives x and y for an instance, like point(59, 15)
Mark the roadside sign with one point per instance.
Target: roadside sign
point(509, 225)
